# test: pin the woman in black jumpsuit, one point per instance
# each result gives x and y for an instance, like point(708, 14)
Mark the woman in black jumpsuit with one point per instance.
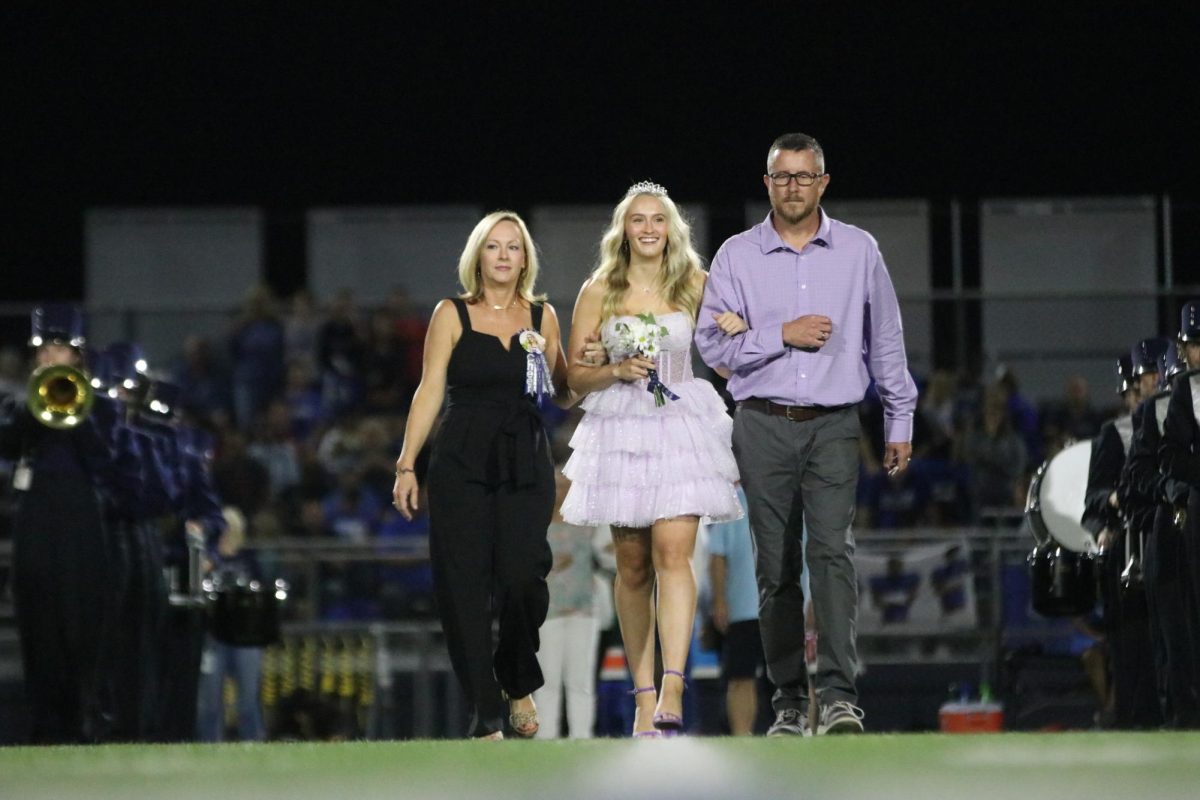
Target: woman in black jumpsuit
point(490, 479)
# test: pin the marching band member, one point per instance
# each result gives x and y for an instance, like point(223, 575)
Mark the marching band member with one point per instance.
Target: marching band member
point(141, 595)
point(1180, 461)
point(1149, 500)
point(61, 565)
point(1108, 456)
point(194, 526)
point(1104, 517)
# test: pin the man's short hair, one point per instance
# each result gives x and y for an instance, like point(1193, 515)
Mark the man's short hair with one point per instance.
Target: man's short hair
point(797, 141)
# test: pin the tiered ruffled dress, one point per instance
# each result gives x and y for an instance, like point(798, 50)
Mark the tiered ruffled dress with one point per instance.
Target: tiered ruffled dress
point(635, 462)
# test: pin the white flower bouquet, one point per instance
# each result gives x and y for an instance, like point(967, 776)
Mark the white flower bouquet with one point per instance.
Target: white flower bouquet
point(642, 336)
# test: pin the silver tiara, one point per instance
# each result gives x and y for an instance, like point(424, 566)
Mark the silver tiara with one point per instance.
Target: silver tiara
point(646, 187)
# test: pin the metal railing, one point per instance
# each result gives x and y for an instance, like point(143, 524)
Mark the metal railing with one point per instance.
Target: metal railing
point(393, 676)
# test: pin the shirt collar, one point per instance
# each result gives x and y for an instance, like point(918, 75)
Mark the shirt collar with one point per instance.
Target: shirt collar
point(770, 240)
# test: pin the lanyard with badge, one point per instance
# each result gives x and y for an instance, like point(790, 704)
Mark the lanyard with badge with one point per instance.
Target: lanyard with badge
point(22, 475)
point(22, 478)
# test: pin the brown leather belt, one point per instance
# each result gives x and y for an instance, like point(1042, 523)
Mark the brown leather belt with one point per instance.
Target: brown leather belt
point(793, 413)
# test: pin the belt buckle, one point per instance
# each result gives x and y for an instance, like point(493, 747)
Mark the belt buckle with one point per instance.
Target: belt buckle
point(787, 412)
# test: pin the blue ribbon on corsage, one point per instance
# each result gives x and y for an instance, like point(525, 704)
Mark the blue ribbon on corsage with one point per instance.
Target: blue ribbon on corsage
point(659, 389)
point(537, 372)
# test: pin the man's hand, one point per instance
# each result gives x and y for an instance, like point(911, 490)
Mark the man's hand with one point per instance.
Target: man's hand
point(811, 331)
point(896, 456)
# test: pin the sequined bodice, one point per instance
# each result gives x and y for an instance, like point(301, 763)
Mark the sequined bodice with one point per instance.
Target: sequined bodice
point(675, 356)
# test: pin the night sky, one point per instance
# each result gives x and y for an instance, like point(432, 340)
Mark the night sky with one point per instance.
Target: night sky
point(285, 107)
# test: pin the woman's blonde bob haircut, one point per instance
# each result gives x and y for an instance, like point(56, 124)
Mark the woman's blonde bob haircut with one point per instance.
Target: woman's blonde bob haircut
point(680, 259)
point(469, 262)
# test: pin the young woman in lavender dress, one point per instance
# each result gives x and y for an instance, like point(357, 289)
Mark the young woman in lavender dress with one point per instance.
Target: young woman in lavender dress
point(650, 472)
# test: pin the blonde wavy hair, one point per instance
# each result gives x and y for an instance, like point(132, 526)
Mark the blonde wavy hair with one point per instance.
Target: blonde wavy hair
point(680, 259)
point(469, 262)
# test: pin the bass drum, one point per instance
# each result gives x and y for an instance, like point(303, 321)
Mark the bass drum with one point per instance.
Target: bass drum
point(245, 613)
point(1062, 567)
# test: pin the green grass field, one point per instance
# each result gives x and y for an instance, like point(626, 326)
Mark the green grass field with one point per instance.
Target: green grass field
point(1023, 766)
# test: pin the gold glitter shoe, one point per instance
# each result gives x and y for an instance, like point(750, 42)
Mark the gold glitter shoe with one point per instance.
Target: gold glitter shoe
point(524, 723)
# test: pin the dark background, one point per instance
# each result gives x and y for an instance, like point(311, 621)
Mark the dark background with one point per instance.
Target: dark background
point(290, 106)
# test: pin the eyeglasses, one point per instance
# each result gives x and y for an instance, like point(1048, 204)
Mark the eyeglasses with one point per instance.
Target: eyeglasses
point(801, 178)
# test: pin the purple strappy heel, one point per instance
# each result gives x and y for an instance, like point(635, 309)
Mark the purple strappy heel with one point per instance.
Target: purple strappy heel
point(654, 734)
point(664, 720)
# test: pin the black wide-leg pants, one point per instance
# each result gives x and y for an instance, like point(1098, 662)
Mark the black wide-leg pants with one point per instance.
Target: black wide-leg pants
point(490, 559)
point(1166, 604)
point(1127, 621)
point(136, 637)
point(61, 582)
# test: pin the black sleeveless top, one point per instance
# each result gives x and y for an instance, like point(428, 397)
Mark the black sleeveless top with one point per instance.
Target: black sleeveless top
point(491, 432)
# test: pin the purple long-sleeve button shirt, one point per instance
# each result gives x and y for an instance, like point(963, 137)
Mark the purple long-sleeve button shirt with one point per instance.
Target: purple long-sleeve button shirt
point(839, 274)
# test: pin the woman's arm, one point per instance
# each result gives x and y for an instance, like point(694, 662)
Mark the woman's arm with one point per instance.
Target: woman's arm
point(444, 332)
point(552, 333)
point(586, 320)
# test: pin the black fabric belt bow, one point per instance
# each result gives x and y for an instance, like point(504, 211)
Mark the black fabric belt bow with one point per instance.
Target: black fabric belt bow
point(514, 451)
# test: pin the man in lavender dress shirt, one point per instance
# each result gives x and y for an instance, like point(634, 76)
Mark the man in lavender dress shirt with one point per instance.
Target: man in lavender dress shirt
point(823, 322)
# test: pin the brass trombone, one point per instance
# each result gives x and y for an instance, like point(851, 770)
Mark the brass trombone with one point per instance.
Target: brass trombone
point(60, 396)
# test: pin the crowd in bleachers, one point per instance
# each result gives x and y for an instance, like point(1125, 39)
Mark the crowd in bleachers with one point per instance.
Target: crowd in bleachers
point(976, 444)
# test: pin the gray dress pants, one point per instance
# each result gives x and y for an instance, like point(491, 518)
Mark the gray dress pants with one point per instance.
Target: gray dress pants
point(799, 474)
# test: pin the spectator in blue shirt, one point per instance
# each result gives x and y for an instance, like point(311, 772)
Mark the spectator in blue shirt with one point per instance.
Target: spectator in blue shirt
point(735, 616)
point(256, 347)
